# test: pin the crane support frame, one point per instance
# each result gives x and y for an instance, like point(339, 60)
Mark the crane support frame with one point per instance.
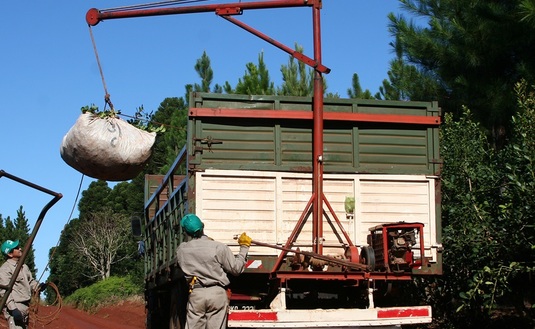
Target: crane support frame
point(94, 16)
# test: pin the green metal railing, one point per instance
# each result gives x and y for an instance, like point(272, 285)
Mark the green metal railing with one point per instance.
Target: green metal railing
point(161, 225)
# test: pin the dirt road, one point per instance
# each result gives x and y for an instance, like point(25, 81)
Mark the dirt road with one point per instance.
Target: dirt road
point(127, 315)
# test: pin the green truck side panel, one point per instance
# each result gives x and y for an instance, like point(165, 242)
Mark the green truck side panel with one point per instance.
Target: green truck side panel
point(282, 145)
point(286, 145)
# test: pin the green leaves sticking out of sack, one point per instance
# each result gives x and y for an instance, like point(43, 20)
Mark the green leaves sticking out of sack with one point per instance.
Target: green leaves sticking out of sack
point(103, 146)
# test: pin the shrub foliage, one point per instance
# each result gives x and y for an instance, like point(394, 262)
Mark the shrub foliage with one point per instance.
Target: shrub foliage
point(105, 292)
point(488, 219)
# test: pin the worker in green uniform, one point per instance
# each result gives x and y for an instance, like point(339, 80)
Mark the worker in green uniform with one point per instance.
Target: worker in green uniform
point(205, 264)
point(18, 301)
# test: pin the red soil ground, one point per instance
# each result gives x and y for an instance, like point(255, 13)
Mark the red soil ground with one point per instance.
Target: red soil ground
point(125, 315)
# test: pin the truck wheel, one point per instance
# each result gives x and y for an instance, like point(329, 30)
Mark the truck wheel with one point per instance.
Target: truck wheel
point(179, 299)
point(156, 312)
point(174, 319)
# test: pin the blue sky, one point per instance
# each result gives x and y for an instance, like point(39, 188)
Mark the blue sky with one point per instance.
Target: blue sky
point(48, 71)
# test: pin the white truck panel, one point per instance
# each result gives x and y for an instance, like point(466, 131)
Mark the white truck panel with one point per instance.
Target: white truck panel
point(268, 205)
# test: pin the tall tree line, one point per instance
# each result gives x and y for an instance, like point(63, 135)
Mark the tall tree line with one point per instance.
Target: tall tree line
point(464, 53)
point(476, 59)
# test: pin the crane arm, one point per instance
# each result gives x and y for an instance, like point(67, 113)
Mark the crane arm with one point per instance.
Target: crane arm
point(95, 16)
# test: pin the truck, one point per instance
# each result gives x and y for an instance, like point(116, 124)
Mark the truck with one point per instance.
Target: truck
point(341, 197)
point(246, 167)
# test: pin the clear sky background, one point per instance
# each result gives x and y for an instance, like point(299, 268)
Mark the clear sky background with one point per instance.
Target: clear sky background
point(48, 71)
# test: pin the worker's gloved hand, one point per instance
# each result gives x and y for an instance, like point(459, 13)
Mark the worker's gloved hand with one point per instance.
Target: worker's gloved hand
point(244, 240)
point(42, 286)
point(17, 315)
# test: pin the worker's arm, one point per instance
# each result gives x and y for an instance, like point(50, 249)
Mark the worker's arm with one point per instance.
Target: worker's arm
point(34, 284)
point(5, 277)
point(233, 264)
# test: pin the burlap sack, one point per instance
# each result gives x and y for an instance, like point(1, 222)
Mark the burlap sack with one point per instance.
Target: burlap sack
point(106, 148)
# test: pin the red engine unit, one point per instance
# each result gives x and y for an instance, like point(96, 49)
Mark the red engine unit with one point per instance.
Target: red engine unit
point(391, 247)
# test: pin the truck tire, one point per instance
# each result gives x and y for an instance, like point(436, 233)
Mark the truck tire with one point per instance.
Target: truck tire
point(174, 317)
point(157, 313)
point(179, 299)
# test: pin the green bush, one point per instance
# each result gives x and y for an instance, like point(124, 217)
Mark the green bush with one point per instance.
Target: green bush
point(102, 293)
point(487, 219)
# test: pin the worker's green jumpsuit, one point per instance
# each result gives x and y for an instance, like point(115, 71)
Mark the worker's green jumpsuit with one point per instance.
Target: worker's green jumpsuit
point(207, 262)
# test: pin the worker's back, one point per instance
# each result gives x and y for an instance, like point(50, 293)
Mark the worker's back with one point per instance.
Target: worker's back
point(209, 261)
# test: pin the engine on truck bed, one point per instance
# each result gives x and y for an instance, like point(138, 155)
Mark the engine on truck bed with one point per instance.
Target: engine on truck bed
point(393, 246)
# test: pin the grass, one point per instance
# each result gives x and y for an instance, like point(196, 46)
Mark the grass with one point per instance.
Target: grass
point(110, 291)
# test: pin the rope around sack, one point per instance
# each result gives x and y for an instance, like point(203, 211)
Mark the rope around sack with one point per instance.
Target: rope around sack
point(35, 304)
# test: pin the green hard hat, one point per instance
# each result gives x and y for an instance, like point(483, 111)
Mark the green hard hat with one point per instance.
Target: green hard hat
point(192, 224)
point(8, 246)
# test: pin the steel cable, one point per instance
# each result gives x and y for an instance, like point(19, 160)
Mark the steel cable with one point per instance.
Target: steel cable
point(149, 5)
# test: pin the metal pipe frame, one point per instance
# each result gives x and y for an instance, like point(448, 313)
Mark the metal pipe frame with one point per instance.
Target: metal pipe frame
point(29, 243)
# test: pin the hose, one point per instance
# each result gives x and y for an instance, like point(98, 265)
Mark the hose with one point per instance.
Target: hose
point(42, 319)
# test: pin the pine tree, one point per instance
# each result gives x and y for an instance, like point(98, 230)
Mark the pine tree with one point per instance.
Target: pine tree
point(475, 51)
point(204, 69)
point(255, 81)
point(356, 90)
point(297, 79)
point(22, 233)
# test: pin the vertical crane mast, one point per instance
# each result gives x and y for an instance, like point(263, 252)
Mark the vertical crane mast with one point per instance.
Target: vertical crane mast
point(317, 186)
